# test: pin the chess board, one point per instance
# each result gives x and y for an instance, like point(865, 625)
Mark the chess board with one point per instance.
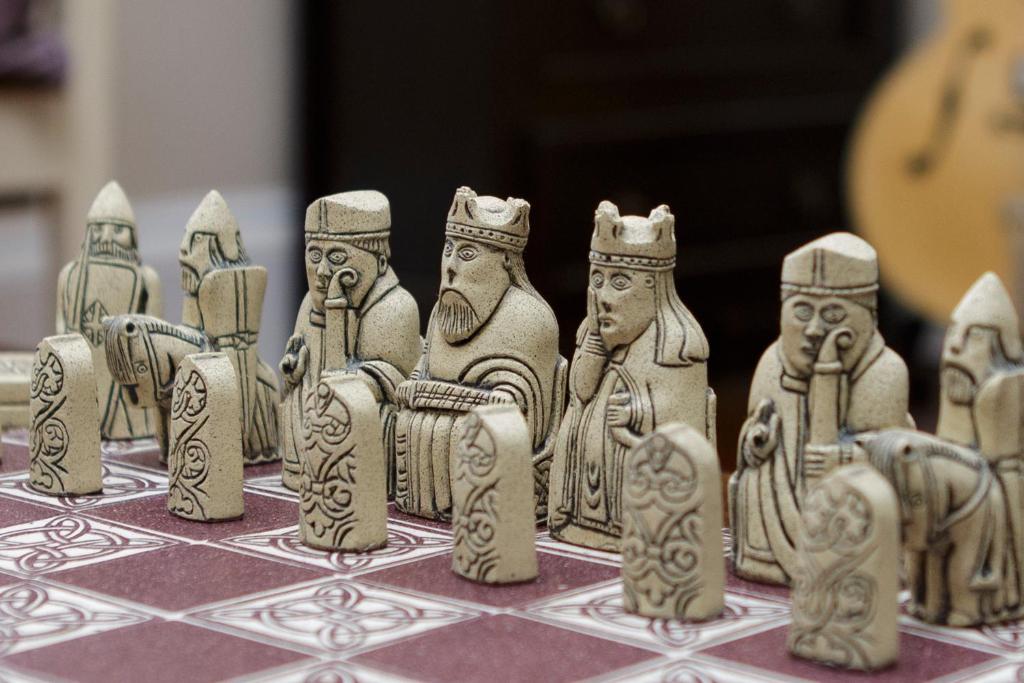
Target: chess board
point(113, 588)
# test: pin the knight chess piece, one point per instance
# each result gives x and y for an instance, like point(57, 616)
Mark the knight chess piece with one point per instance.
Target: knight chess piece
point(492, 498)
point(827, 378)
point(491, 339)
point(221, 311)
point(343, 486)
point(640, 362)
point(64, 437)
point(15, 383)
point(846, 584)
point(355, 318)
point(205, 460)
point(673, 566)
point(109, 279)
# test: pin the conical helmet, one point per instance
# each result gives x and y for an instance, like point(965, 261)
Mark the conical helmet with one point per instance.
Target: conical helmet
point(988, 304)
point(111, 206)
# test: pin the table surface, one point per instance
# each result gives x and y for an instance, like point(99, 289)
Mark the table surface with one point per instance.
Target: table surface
point(113, 587)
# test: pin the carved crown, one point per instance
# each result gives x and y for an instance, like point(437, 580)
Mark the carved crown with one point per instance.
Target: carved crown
point(634, 241)
point(361, 214)
point(111, 206)
point(839, 264)
point(504, 223)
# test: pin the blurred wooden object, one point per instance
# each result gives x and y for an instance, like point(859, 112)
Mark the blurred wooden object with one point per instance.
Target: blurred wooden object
point(938, 154)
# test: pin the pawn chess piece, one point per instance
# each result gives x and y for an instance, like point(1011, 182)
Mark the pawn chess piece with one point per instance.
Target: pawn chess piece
point(205, 461)
point(493, 497)
point(673, 566)
point(64, 437)
point(846, 584)
point(109, 279)
point(343, 485)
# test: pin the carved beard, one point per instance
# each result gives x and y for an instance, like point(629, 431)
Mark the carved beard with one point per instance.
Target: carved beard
point(113, 250)
point(456, 317)
point(189, 280)
point(958, 385)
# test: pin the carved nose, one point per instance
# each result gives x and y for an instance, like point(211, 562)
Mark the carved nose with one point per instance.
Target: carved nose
point(451, 275)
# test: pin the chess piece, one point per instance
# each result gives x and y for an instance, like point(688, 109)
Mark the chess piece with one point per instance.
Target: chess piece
point(640, 362)
point(64, 437)
point(205, 460)
point(673, 566)
point(828, 375)
point(343, 486)
point(846, 584)
point(491, 339)
point(221, 312)
point(492, 498)
point(954, 521)
point(109, 279)
point(15, 380)
point(355, 317)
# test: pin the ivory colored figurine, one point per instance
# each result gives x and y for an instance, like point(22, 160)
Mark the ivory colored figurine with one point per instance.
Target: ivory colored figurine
point(64, 437)
point(221, 312)
point(15, 382)
point(640, 362)
point(355, 317)
point(673, 566)
point(343, 492)
point(846, 585)
point(205, 465)
point(109, 279)
point(492, 498)
point(491, 339)
point(828, 377)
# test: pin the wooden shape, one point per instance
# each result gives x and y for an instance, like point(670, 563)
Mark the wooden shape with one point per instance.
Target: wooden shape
point(640, 362)
point(846, 584)
point(343, 491)
point(64, 437)
point(673, 566)
point(827, 378)
point(108, 279)
point(205, 463)
point(491, 339)
point(492, 498)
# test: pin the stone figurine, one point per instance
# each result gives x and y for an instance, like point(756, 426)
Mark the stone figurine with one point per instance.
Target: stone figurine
point(64, 436)
point(491, 339)
point(221, 312)
point(828, 377)
point(493, 519)
point(343, 501)
point(847, 582)
point(673, 565)
point(109, 279)
point(355, 318)
point(205, 460)
point(640, 362)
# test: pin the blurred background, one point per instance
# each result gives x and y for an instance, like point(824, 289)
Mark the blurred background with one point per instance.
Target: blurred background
point(736, 113)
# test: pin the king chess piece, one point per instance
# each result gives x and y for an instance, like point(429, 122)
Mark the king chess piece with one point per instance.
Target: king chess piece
point(109, 279)
point(205, 460)
point(492, 498)
point(356, 318)
point(640, 362)
point(491, 339)
point(827, 378)
point(673, 566)
point(64, 436)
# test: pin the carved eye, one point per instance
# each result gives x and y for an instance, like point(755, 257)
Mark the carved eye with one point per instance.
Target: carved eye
point(314, 255)
point(803, 311)
point(141, 368)
point(467, 253)
point(448, 247)
point(621, 282)
point(917, 500)
point(833, 314)
point(337, 257)
point(597, 280)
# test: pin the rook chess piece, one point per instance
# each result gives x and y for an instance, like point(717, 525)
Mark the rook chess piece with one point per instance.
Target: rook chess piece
point(492, 498)
point(64, 437)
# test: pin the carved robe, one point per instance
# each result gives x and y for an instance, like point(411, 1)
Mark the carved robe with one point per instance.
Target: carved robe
point(586, 498)
point(516, 350)
point(765, 500)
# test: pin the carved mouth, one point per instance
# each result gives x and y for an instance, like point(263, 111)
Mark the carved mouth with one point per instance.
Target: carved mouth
point(133, 394)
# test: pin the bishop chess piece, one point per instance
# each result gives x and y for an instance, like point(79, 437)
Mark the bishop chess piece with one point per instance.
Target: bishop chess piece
point(205, 463)
point(64, 436)
point(673, 564)
point(640, 363)
point(492, 495)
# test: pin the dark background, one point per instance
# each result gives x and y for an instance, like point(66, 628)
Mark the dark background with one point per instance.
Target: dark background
point(735, 113)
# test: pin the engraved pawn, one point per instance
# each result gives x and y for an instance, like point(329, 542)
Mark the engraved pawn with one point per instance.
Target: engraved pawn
point(205, 452)
point(64, 437)
point(673, 565)
point(846, 586)
point(492, 498)
point(343, 487)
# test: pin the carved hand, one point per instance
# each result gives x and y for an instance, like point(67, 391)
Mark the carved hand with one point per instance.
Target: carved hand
point(619, 412)
point(501, 397)
point(296, 358)
point(820, 459)
point(404, 392)
point(761, 437)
